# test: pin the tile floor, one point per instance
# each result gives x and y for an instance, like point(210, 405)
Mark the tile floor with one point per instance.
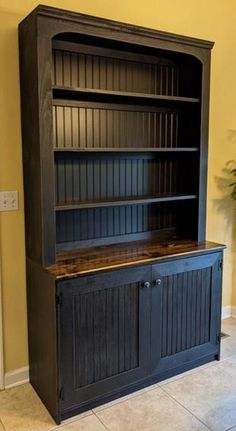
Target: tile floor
point(198, 400)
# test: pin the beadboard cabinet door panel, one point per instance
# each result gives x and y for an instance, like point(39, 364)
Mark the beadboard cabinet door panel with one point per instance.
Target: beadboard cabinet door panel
point(104, 334)
point(186, 311)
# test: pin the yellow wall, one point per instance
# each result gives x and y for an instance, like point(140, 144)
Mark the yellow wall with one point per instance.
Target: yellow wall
point(207, 19)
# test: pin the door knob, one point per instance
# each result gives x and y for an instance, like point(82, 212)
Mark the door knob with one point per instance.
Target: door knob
point(146, 284)
point(157, 282)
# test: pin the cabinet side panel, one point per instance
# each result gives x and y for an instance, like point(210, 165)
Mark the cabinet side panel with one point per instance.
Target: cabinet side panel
point(36, 113)
point(44, 52)
point(30, 137)
point(42, 335)
point(204, 147)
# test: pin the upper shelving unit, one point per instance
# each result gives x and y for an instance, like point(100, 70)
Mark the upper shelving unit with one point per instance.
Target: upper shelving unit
point(126, 141)
point(119, 150)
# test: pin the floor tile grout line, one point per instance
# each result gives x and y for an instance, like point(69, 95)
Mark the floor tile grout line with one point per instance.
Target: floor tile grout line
point(227, 358)
point(121, 400)
point(100, 420)
point(190, 373)
point(2, 425)
point(231, 428)
point(160, 384)
point(189, 411)
point(140, 392)
point(225, 371)
point(70, 421)
point(154, 386)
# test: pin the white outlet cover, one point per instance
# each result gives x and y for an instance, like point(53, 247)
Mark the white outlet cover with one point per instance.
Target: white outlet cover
point(9, 201)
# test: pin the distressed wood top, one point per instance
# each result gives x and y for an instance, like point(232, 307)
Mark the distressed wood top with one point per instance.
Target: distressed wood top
point(73, 263)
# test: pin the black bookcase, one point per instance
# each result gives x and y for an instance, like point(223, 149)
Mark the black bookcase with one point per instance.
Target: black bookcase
point(115, 132)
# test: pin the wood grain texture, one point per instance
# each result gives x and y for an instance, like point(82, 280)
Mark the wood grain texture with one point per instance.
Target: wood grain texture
point(30, 140)
point(73, 263)
point(36, 114)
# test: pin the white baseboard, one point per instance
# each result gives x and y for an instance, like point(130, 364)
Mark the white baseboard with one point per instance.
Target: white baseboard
point(16, 377)
point(228, 311)
point(233, 311)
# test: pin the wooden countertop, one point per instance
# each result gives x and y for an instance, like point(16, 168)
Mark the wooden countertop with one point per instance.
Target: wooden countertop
point(73, 263)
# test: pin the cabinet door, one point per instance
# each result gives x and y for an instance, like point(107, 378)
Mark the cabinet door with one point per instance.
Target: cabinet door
point(186, 311)
point(104, 323)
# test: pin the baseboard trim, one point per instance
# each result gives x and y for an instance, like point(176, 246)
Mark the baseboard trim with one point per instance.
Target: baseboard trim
point(228, 311)
point(233, 311)
point(16, 377)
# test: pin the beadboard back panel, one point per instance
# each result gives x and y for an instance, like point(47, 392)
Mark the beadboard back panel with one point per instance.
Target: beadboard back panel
point(97, 178)
point(114, 127)
point(71, 69)
point(114, 222)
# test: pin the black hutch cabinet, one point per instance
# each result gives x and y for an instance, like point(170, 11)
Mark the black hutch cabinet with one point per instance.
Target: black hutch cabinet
point(123, 289)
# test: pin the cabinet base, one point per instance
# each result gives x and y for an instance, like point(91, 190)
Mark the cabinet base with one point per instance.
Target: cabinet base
point(137, 386)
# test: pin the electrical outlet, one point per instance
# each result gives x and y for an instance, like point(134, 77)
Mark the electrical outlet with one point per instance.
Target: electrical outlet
point(9, 201)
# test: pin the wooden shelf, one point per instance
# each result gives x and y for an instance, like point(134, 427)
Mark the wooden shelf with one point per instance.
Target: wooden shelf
point(134, 201)
point(70, 264)
point(75, 92)
point(126, 150)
